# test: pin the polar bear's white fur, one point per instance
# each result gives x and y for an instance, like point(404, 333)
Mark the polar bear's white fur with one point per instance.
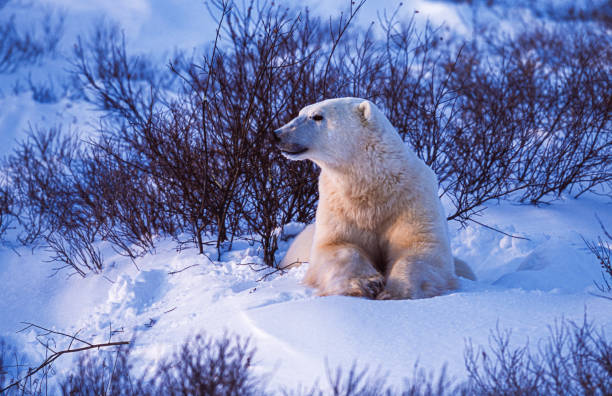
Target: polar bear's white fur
point(380, 229)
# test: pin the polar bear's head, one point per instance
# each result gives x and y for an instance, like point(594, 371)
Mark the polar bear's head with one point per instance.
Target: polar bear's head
point(332, 132)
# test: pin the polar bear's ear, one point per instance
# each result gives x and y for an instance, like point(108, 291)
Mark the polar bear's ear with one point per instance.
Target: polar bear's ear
point(365, 108)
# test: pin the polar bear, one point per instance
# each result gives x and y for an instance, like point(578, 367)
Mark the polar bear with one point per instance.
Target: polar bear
point(380, 230)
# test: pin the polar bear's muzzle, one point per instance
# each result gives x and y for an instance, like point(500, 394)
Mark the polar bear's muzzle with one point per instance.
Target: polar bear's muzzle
point(286, 145)
point(289, 141)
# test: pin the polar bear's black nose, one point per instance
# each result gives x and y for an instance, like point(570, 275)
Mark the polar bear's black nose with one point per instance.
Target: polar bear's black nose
point(276, 134)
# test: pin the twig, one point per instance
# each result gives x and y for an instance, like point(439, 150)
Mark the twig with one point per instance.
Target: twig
point(500, 231)
point(56, 355)
point(263, 267)
point(181, 270)
point(110, 377)
point(72, 337)
point(336, 40)
point(108, 279)
point(257, 267)
point(600, 296)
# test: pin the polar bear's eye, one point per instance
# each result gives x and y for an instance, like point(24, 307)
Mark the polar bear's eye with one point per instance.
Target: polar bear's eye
point(317, 117)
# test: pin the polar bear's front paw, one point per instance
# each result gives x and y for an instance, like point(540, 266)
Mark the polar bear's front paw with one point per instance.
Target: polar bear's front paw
point(400, 290)
point(384, 295)
point(367, 286)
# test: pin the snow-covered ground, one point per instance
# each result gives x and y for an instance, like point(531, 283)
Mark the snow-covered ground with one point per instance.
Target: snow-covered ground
point(161, 299)
point(524, 286)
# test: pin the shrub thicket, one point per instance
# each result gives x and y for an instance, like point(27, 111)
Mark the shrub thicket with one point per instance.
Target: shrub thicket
point(187, 151)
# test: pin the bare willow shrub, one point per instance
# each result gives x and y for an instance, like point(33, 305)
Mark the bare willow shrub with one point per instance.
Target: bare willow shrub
point(50, 204)
point(21, 46)
point(576, 359)
point(131, 159)
point(69, 200)
point(6, 204)
point(601, 248)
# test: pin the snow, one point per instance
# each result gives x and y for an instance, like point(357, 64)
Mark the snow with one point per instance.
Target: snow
point(166, 297)
point(163, 298)
point(20, 113)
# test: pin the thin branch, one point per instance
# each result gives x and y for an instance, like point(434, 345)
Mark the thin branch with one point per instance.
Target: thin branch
point(72, 337)
point(181, 270)
point(56, 355)
point(497, 230)
point(336, 40)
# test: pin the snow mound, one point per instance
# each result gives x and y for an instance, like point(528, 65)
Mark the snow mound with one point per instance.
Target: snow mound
point(553, 267)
